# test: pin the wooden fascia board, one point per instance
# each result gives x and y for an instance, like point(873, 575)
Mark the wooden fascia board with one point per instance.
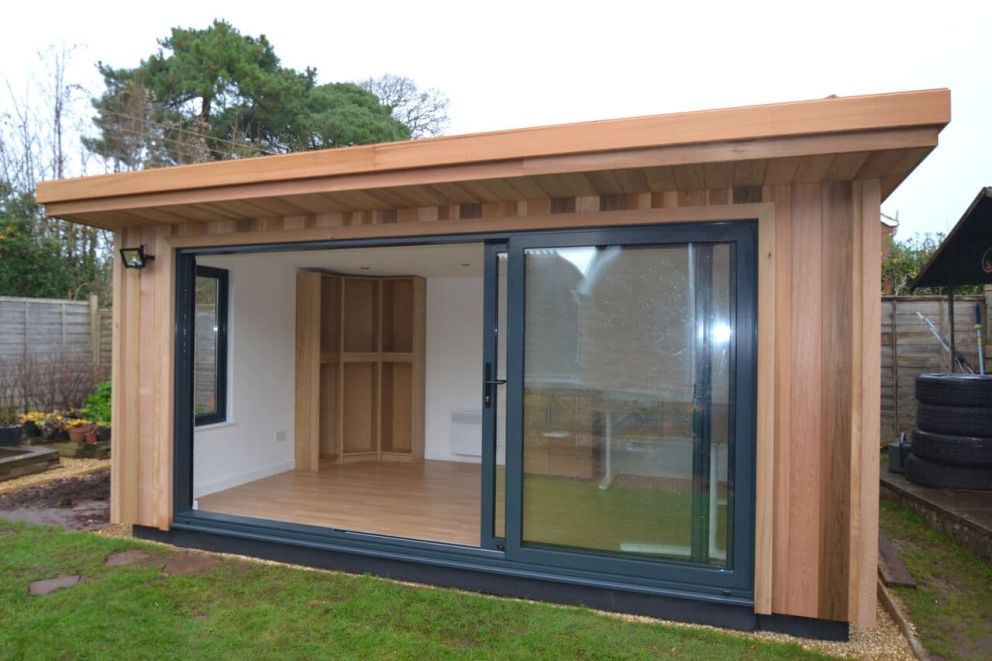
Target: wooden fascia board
point(639, 158)
point(803, 118)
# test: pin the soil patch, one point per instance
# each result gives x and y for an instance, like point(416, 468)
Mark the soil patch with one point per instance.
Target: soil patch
point(75, 503)
point(184, 564)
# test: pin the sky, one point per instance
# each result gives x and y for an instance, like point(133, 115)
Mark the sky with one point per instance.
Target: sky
point(511, 64)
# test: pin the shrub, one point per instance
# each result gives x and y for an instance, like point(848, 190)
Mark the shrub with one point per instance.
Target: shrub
point(98, 404)
point(53, 425)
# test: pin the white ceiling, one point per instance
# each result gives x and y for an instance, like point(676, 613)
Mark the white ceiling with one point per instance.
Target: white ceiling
point(428, 261)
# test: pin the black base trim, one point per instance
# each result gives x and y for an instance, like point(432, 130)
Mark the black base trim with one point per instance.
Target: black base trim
point(728, 616)
point(805, 627)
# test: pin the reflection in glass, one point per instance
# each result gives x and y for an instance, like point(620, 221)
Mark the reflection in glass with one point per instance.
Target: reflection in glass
point(628, 372)
point(206, 328)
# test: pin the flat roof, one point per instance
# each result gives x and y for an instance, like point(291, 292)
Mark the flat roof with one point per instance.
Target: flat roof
point(880, 136)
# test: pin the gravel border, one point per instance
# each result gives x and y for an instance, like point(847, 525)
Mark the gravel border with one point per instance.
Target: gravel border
point(68, 467)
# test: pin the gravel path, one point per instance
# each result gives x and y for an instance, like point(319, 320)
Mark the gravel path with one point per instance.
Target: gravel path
point(67, 468)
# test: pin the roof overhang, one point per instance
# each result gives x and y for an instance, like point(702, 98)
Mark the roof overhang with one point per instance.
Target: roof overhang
point(964, 257)
point(881, 137)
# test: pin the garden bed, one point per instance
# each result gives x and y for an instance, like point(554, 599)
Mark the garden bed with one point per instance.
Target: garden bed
point(19, 461)
point(80, 450)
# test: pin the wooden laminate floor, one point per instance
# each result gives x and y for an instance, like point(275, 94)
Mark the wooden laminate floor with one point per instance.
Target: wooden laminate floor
point(430, 500)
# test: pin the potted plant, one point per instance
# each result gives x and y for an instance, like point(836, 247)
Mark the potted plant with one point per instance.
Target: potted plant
point(98, 408)
point(53, 427)
point(78, 428)
point(10, 428)
point(33, 421)
point(102, 430)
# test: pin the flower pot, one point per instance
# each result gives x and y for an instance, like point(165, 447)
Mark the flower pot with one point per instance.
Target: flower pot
point(31, 430)
point(103, 434)
point(78, 434)
point(91, 437)
point(10, 435)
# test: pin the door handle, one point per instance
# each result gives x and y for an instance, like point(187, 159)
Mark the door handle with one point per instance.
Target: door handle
point(488, 386)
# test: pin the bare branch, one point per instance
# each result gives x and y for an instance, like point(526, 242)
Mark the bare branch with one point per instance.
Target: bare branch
point(425, 112)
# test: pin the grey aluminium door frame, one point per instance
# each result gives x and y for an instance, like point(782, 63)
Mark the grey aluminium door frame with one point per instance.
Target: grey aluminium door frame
point(498, 554)
point(491, 360)
point(738, 574)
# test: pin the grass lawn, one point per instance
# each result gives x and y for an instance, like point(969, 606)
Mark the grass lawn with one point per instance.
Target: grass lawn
point(576, 513)
point(240, 609)
point(951, 605)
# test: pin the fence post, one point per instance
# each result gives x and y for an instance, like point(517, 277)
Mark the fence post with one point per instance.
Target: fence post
point(62, 331)
point(95, 329)
point(896, 423)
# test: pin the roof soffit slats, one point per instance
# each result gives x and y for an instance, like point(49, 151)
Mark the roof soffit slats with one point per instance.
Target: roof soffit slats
point(842, 138)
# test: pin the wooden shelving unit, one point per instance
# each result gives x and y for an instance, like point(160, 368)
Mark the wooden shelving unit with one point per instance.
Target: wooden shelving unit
point(360, 344)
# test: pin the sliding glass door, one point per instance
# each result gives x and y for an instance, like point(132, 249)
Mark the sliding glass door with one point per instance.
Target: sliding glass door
point(630, 399)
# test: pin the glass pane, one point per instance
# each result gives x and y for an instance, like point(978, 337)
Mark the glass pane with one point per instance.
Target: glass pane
point(499, 526)
point(206, 333)
point(627, 390)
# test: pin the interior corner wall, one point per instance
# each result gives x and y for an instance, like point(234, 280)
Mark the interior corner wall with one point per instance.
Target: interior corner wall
point(261, 346)
point(453, 370)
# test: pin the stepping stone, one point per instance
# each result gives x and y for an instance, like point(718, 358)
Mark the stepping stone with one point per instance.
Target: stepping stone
point(183, 564)
point(126, 558)
point(890, 567)
point(52, 584)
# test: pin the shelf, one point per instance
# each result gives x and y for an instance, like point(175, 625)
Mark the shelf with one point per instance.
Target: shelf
point(396, 434)
point(358, 456)
point(360, 314)
point(359, 406)
point(396, 456)
point(360, 357)
point(397, 315)
point(360, 368)
point(330, 318)
point(327, 427)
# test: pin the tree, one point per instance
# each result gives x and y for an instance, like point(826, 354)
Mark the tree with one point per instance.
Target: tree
point(905, 260)
point(344, 114)
point(214, 94)
point(38, 264)
point(425, 112)
point(38, 140)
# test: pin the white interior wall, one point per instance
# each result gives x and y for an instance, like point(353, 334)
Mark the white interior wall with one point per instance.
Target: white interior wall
point(261, 378)
point(257, 439)
point(454, 369)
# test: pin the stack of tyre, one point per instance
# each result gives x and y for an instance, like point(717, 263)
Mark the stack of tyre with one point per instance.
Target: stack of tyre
point(952, 442)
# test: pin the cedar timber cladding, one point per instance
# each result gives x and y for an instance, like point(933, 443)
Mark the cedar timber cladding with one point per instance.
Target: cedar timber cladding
point(813, 174)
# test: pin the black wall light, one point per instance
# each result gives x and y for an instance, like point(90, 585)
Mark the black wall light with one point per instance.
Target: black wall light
point(136, 258)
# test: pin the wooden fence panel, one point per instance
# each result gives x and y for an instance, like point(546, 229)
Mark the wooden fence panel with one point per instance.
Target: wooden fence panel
point(909, 348)
point(49, 356)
